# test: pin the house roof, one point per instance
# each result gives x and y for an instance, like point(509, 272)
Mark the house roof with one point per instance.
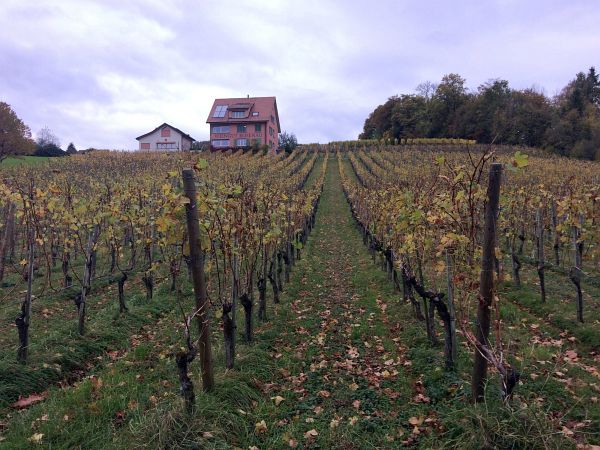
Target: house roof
point(166, 125)
point(260, 105)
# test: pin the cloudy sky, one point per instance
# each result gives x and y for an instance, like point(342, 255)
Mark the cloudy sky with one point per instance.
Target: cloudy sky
point(99, 73)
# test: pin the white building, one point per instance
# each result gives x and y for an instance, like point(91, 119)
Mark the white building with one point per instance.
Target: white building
point(165, 138)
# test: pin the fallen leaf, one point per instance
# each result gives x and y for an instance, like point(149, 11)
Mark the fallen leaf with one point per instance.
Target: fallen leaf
point(310, 434)
point(293, 443)
point(260, 427)
point(352, 420)
point(416, 421)
point(278, 399)
point(24, 402)
point(567, 432)
point(36, 438)
point(334, 423)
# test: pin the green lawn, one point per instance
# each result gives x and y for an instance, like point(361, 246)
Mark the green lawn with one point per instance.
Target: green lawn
point(13, 161)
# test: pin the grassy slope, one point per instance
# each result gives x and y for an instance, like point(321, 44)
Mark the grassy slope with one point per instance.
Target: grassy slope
point(341, 350)
point(13, 161)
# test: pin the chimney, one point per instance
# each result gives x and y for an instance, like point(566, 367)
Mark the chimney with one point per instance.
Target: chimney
point(247, 95)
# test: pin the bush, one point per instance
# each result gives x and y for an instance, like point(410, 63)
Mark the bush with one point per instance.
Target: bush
point(49, 150)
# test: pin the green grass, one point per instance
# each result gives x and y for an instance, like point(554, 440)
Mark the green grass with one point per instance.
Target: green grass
point(15, 161)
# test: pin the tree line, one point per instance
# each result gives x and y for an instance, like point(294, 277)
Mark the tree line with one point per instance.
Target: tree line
point(16, 138)
point(567, 124)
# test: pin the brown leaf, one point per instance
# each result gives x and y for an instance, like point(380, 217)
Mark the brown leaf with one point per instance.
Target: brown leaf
point(310, 434)
point(25, 402)
point(416, 421)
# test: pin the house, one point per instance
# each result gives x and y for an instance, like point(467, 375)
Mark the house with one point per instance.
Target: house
point(165, 138)
point(244, 122)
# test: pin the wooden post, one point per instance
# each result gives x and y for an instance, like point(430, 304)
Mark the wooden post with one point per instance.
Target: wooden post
point(486, 286)
point(87, 276)
point(197, 264)
point(23, 320)
point(7, 235)
point(451, 309)
point(575, 272)
point(539, 238)
point(555, 234)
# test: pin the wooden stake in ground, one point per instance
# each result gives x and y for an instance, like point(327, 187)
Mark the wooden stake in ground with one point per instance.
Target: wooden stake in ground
point(575, 272)
point(7, 236)
point(486, 287)
point(197, 265)
point(539, 239)
point(90, 251)
point(451, 310)
point(24, 318)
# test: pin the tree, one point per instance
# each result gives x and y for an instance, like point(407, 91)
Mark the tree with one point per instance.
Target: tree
point(449, 96)
point(71, 150)
point(200, 146)
point(48, 144)
point(288, 141)
point(15, 136)
point(46, 136)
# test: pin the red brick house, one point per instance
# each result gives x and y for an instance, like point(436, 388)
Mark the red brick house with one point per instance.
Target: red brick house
point(242, 122)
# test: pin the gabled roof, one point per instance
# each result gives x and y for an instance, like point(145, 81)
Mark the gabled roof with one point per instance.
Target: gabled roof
point(166, 125)
point(260, 105)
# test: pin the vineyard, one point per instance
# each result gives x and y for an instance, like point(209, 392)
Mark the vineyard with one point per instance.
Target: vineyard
point(352, 295)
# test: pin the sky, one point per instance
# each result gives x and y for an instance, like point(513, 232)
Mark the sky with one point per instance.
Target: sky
point(99, 73)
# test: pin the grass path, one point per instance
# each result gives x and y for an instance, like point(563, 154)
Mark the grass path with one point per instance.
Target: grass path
point(344, 373)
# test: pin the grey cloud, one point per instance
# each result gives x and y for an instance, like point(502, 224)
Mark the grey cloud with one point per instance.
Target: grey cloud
point(102, 72)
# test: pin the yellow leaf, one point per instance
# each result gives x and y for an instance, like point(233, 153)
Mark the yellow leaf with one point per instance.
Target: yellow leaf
point(278, 399)
point(260, 427)
point(36, 438)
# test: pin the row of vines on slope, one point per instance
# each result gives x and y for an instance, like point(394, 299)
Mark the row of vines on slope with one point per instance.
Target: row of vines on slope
point(422, 212)
point(72, 227)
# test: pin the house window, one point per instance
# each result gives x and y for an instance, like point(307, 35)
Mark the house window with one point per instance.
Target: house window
point(241, 128)
point(166, 145)
point(238, 114)
point(165, 132)
point(272, 119)
point(241, 142)
point(221, 129)
point(255, 113)
point(257, 127)
point(220, 143)
point(220, 111)
point(145, 146)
